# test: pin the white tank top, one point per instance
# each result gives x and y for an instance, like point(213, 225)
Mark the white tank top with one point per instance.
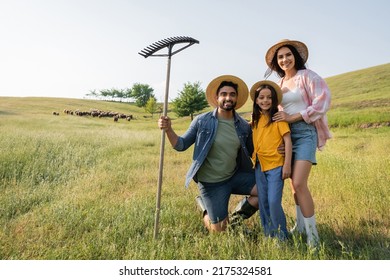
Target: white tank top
point(293, 102)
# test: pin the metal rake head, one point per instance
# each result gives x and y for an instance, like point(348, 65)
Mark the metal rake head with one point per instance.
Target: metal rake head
point(168, 43)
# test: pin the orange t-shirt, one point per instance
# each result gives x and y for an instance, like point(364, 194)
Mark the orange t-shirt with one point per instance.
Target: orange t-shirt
point(266, 140)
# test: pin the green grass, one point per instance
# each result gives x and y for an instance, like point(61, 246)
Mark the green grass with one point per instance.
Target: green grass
point(85, 188)
point(361, 98)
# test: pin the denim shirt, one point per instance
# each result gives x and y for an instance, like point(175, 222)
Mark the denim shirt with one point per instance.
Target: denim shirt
point(202, 132)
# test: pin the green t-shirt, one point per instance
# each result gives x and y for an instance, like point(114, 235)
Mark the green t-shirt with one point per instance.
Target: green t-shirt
point(220, 162)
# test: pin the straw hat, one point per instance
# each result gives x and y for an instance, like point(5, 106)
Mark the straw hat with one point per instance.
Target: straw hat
point(300, 47)
point(257, 85)
point(242, 88)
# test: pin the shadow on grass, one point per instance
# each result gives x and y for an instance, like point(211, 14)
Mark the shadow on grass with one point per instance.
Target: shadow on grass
point(364, 243)
point(7, 113)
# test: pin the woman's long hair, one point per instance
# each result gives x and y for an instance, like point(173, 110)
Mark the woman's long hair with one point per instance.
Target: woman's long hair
point(299, 63)
point(256, 112)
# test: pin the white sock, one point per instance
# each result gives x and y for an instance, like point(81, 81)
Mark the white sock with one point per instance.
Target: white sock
point(311, 231)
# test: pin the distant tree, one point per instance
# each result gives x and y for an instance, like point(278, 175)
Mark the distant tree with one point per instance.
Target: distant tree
point(190, 100)
point(105, 93)
point(92, 93)
point(117, 93)
point(151, 106)
point(111, 94)
point(141, 93)
point(127, 92)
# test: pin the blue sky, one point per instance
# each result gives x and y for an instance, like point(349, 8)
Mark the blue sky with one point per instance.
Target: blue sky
point(66, 48)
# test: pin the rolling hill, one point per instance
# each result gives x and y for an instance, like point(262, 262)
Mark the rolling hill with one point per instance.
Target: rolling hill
point(360, 98)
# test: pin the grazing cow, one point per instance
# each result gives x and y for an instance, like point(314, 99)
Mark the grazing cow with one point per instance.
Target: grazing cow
point(56, 113)
point(116, 118)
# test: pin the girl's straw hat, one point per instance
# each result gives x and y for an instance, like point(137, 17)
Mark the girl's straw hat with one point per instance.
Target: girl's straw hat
point(259, 84)
point(242, 90)
point(299, 46)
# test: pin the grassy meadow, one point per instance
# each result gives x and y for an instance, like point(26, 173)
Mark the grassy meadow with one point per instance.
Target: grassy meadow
point(78, 187)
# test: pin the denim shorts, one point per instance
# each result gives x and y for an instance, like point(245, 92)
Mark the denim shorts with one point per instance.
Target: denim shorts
point(216, 196)
point(304, 141)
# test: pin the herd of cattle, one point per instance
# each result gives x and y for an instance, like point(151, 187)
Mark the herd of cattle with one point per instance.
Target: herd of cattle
point(97, 113)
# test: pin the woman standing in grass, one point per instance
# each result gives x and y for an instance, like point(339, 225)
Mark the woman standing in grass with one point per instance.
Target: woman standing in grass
point(271, 167)
point(306, 99)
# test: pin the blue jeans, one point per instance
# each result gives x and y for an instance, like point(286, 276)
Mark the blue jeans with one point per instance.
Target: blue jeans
point(216, 196)
point(304, 140)
point(270, 190)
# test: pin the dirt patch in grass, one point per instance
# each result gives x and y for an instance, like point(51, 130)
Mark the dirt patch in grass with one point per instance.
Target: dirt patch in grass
point(374, 124)
point(364, 104)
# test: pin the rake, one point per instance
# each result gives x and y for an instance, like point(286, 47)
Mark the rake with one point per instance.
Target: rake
point(152, 50)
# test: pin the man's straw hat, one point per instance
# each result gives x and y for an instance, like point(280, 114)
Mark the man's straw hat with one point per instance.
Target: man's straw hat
point(242, 90)
point(299, 46)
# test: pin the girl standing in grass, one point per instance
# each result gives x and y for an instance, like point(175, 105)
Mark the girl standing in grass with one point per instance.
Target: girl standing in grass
point(306, 99)
point(271, 167)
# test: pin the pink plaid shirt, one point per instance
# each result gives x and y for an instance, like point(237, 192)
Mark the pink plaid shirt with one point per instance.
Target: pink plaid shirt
point(316, 94)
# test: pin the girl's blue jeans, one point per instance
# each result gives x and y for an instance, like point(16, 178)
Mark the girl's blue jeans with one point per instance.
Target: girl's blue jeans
point(270, 190)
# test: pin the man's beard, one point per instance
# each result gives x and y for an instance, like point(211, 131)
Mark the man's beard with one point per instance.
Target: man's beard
point(229, 107)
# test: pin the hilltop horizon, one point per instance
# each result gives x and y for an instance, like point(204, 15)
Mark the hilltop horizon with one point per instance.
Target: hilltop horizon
point(85, 97)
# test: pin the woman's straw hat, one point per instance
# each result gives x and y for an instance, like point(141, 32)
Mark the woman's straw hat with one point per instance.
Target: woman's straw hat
point(259, 84)
point(299, 46)
point(242, 90)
